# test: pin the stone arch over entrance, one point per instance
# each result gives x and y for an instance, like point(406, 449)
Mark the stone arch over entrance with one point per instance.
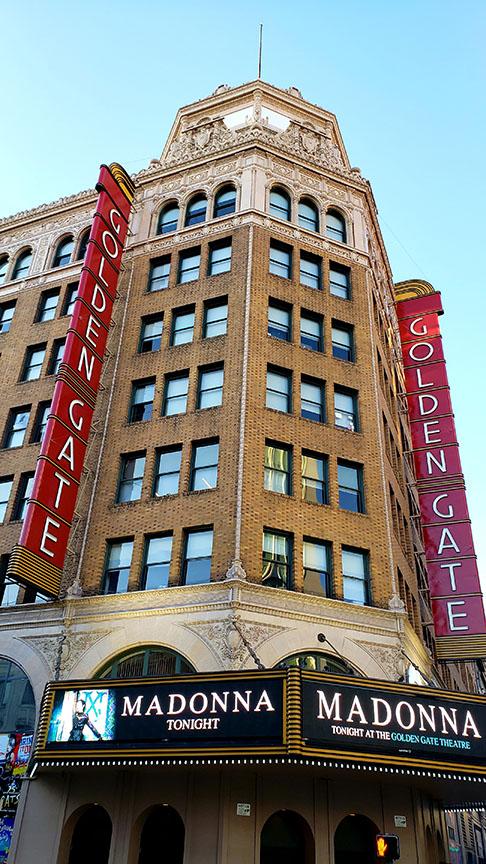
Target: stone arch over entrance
point(160, 827)
point(286, 837)
point(86, 836)
point(354, 840)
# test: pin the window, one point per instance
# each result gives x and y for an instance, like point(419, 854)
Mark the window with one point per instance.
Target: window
point(346, 409)
point(219, 257)
point(310, 270)
point(117, 566)
point(335, 226)
point(350, 481)
point(22, 265)
point(6, 314)
point(182, 326)
point(342, 341)
point(280, 204)
point(167, 470)
point(3, 268)
point(34, 358)
point(196, 210)
point(225, 202)
point(146, 663)
point(317, 662)
point(83, 245)
point(196, 565)
point(189, 263)
point(314, 478)
point(151, 333)
point(210, 387)
point(142, 400)
point(339, 281)
point(70, 299)
point(64, 250)
point(279, 390)
point(279, 320)
point(159, 274)
point(5, 490)
point(23, 494)
point(48, 305)
point(280, 259)
point(204, 465)
point(131, 477)
point(308, 215)
point(168, 219)
point(215, 318)
point(311, 331)
point(157, 555)
point(175, 395)
point(355, 576)
point(40, 422)
point(16, 694)
point(317, 567)
point(278, 468)
point(16, 425)
point(276, 565)
point(56, 356)
point(312, 399)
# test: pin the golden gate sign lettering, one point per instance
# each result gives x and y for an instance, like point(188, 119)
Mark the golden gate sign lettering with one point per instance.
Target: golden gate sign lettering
point(38, 558)
point(455, 590)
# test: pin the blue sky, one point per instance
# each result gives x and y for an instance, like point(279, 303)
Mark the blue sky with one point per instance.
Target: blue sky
point(91, 82)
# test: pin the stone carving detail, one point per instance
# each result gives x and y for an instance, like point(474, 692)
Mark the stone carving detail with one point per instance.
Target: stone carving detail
point(395, 604)
point(388, 658)
point(45, 208)
point(74, 646)
point(223, 638)
point(46, 646)
point(236, 571)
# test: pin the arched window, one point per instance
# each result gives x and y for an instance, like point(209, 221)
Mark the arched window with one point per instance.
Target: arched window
point(225, 201)
point(91, 838)
point(335, 226)
point(17, 706)
point(308, 215)
point(83, 245)
point(286, 837)
point(163, 827)
point(146, 663)
point(280, 203)
point(3, 268)
point(22, 265)
point(354, 840)
point(196, 210)
point(316, 661)
point(168, 219)
point(63, 252)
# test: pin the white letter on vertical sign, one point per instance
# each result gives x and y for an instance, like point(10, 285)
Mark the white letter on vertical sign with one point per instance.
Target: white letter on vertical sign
point(63, 481)
point(428, 431)
point(429, 350)
point(450, 511)
point(78, 425)
point(451, 566)
point(430, 458)
point(422, 332)
point(446, 535)
point(47, 536)
point(88, 365)
point(452, 615)
point(116, 227)
point(421, 401)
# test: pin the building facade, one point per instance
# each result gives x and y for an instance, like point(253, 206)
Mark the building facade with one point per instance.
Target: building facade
point(248, 495)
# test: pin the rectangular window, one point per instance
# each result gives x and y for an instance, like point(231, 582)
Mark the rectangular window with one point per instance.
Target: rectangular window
point(24, 492)
point(279, 390)
point(342, 341)
point(142, 401)
point(311, 331)
point(339, 281)
point(355, 576)
point(310, 270)
point(167, 471)
point(204, 465)
point(157, 555)
point(279, 320)
point(175, 394)
point(189, 263)
point(34, 358)
point(219, 257)
point(312, 395)
point(57, 354)
point(315, 488)
point(346, 409)
point(5, 490)
point(215, 318)
point(278, 468)
point(130, 482)
point(350, 482)
point(277, 560)
point(317, 567)
point(70, 298)
point(151, 330)
point(196, 565)
point(159, 274)
point(17, 422)
point(48, 305)
point(40, 423)
point(117, 566)
point(280, 259)
point(210, 387)
point(6, 314)
point(182, 326)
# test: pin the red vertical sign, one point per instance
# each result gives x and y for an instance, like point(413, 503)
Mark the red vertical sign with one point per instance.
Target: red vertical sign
point(38, 558)
point(455, 590)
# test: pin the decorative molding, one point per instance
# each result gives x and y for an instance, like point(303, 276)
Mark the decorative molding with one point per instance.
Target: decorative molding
point(222, 637)
point(389, 658)
point(46, 646)
point(77, 644)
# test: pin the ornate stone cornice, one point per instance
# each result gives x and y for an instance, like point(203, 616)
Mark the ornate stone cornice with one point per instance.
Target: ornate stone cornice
point(68, 201)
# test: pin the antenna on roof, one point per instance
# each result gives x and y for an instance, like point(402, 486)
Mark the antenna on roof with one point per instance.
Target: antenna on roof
point(260, 44)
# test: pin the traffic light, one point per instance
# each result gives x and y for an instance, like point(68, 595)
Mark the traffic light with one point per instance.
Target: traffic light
point(387, 848)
